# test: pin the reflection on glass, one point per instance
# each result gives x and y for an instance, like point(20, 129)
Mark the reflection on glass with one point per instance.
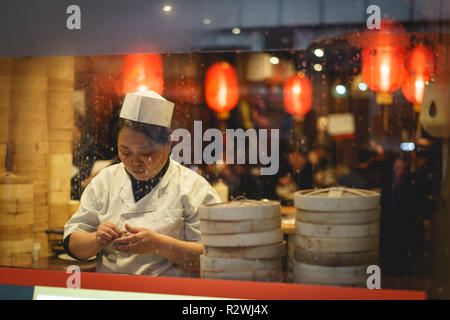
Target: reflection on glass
point(393, 145)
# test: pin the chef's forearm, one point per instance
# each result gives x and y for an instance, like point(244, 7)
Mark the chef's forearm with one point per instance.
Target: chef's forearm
point(83, 245)
point(183, 253)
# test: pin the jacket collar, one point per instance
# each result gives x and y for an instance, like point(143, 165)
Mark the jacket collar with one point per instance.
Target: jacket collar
point(126, 192)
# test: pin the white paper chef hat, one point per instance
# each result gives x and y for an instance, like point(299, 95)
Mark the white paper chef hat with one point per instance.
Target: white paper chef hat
point(147, 107)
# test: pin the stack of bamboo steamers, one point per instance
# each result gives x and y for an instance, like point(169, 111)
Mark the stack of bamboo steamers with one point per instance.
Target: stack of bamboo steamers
point(242, 240)
point(337, 236)
point(36, 122)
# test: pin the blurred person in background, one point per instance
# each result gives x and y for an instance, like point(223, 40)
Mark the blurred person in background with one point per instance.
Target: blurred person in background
point(296, 172)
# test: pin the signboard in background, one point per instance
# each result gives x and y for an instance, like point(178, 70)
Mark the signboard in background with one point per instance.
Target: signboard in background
point(341, 125)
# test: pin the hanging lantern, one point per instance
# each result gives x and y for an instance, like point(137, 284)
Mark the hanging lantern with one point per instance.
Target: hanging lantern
point(420, 67)
point(221, 87)
point(143, 72)
point(297, 94)
point(383, 52)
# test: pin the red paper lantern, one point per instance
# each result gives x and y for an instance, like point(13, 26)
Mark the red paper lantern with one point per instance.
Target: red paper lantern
point(383, 57)
point(297, 94)
point(420, 67)
point(221, 87)
point(143, 72)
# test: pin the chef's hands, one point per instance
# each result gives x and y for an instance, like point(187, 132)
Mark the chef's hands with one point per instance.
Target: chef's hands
point(106, 233)
point(141, 240)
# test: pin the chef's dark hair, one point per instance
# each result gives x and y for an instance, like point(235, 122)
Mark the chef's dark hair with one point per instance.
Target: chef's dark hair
point(155, 133)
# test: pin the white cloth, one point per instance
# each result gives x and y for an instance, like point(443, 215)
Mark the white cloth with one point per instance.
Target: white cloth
point(171, 208)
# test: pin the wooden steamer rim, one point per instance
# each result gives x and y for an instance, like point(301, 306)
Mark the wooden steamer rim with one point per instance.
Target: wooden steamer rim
point(336, 244)
point(232, 211)
point(339, 217)
point(337, 231)
point(232, 265)
point(336, 258)
point(243, 226)
point(261, 275)
point(243, 239)
point(257, 252)
point(336, 199)
point(307, 273)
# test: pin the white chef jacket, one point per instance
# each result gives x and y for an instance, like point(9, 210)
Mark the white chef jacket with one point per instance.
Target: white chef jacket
point(171, 208)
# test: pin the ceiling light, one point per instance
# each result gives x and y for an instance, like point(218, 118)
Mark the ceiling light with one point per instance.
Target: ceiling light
point(274, 60)
point(319, 53)
point(318, 67)
point(362, 86)
point(167, 8)
point(340, 89)
point(236, 30)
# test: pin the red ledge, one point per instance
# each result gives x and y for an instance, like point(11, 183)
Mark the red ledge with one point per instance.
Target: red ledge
point(202, 287)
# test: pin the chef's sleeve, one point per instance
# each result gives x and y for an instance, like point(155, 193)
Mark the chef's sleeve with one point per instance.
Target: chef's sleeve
point(201, 193)
point(87, 216)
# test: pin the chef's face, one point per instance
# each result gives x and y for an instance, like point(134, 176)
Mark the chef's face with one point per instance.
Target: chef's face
point(142, 157)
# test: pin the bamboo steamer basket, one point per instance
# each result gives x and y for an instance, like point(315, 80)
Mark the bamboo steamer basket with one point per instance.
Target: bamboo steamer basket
point(60, 147)
point(28, 129)
point(61, 135)
point(40, 190)
point(276, 250)
point(338, 217)
point(336, 200)
point(227, 264)
point(28, 107)
point(60, 110)
point(16, 195)
point(243, 226)
point(336, 245)
point(337, 231)
point(16, 220)
point(59, 198)
point(242, 240)
point(60, 113)
point(241, 269)
point(6, 72)
point(325, 275)
point(60, 170)
point(336, 259)
point(29, 138)
point(240, 209)
point(18, 232)
point(274, 276)
point(59, 189)
point(241, 223)
point(59, 214)
point(30, 162)
point(41, 218)
point(16, 252)
point(60, 92)
point(3, 157)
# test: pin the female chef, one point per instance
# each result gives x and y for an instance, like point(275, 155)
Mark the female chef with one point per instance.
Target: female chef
point(141, 215)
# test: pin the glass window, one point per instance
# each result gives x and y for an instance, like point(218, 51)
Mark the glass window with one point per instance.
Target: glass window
point(281, 102)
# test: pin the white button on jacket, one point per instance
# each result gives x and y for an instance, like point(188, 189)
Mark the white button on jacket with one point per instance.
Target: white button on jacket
point(171, 208)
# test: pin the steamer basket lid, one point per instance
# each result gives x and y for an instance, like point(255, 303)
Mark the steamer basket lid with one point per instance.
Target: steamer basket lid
point(336, 199)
